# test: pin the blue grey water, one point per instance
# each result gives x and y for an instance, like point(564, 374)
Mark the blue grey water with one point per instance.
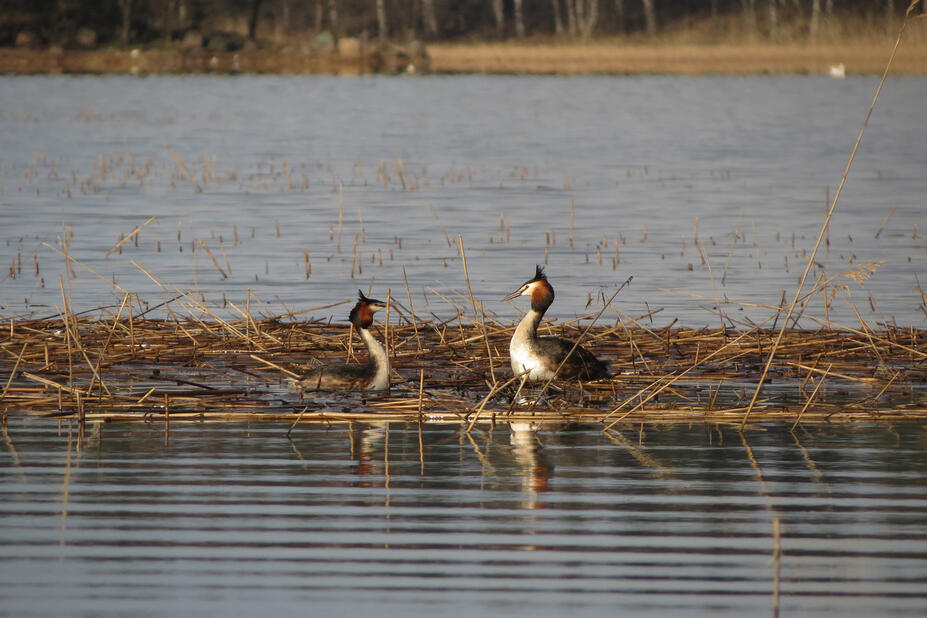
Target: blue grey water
point(412, 163)
point(237, 519)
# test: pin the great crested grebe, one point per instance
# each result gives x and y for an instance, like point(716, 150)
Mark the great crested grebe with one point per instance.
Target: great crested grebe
point(369, 377)
point(540, 356)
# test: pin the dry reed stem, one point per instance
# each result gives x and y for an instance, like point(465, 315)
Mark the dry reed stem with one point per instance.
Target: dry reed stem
point(213, 258)
point(418, 339)
point(183, 167)
point(129, 237)
point(70, 259)
point(667, 383)
point(441, 225)
point(9, 381)
point(812, 396)
point(885, 221)
point(292, 374)
point(476, 317)
point(386, 340)
point(200, 366)
point(830, 212)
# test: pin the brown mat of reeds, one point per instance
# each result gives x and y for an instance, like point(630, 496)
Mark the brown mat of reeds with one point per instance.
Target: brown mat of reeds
point(454, 371)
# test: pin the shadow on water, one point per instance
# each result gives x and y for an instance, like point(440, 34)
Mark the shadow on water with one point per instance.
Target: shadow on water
point(403, 518)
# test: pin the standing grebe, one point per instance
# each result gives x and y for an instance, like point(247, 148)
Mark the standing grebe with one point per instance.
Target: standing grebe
point(540, 356)
point(372, 376)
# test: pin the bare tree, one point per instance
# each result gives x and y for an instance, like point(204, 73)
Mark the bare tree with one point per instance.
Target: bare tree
point(619, 16)
point(500, 17)
point(558, 21)
point(650, 17)
point(253, 21)
point(333, 17)
point(571, 16)
point(749, 11)
point(588, 17)
point(815, 19)
point(519, 20)
point(773, 20)
point(126, 6)
point(286, 20)
point(381, 19)
point(429, 18)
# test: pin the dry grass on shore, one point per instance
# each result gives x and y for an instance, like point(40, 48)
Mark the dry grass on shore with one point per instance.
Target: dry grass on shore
point(612, 58)
point(719, 45)
point(712, 46)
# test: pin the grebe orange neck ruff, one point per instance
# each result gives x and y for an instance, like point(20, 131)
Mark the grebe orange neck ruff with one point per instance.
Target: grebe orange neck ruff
point(540, 356)
point(374, 375)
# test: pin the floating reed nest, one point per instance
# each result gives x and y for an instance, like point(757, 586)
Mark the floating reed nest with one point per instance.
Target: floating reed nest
point(130, 368)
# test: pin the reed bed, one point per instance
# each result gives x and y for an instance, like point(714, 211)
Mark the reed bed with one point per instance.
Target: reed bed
point(453, 371)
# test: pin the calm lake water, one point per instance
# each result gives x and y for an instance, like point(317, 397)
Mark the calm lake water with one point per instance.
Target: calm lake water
point(280, 170)
point(236, 519)
point(288, 193)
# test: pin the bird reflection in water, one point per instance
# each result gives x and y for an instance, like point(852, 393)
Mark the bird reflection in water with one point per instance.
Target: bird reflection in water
point(529, 455)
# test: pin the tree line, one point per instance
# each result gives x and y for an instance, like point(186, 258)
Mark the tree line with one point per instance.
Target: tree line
point(135, 22)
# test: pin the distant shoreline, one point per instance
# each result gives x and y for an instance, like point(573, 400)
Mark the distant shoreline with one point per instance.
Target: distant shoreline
point(606, 58)
point(677, 59)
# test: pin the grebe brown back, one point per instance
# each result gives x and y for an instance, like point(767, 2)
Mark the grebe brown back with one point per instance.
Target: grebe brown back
point(374, 375)
point(540, 356)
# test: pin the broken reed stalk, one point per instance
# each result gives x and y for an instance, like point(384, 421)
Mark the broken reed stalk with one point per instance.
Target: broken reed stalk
point(418, 339)
point(830, 213)
point(292, 374)
point(183, 168)
point(129, 237)
point(571, 224)
point(9, 381)
point(109, 337)
point(666, 384)
point(290, 430)
point(476, 317)
point(340, 213)
point(386, 343)
point(811, 397)
point(70, 260)
point(441, 225)
point(476, 413)
point(213, 258)
point(707, 263)
point(885, 221)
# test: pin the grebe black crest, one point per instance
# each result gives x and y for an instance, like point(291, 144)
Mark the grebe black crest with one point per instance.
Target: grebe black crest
point(540, 356)
point(374, 375)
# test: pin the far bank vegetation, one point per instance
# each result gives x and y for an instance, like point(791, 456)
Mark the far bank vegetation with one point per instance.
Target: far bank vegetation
point(240, 24)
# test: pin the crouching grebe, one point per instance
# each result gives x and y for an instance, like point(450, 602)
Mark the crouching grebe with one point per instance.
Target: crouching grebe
point(372, 376)
point(540, 356)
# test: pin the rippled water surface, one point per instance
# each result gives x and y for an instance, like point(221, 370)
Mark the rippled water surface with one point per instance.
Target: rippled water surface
point(382, 520)
point(256, 182)
point(286, 194)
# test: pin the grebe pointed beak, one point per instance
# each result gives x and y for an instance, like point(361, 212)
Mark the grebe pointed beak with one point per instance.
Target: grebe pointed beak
point(514, 294)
